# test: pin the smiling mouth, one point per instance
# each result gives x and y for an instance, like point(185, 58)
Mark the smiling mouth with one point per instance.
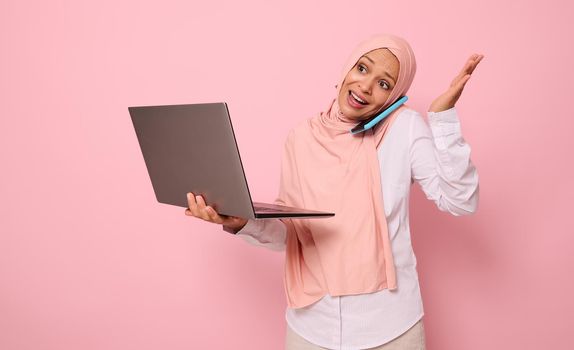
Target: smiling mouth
point(355, 101)
point(357, 98)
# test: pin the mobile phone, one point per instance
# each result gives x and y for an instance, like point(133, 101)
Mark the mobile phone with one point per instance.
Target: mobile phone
point(369, 123)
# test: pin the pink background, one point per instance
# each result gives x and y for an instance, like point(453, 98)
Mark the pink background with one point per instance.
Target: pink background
point(89, 259)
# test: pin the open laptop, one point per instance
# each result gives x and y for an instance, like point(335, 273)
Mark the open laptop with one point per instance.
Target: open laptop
point(192, 148)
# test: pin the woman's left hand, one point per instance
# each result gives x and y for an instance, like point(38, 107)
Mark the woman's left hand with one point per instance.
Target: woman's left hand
point(449, 98)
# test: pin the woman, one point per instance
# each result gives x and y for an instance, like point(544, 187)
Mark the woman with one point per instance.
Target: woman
point(351, 280)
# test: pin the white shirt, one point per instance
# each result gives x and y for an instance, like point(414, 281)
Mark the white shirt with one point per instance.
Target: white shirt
point(438, 159)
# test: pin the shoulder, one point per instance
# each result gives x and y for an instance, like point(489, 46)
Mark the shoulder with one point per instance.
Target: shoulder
point(413, 118)
point(406, 118)
point(299, 130)
point(410, 113)
point(411, 124)
point(295, 133)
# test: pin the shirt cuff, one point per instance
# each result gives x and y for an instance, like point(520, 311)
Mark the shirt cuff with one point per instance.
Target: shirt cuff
point(444, 123)
point(449, 115)
point(250, 227)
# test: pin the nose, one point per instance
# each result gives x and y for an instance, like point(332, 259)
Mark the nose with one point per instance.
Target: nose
point(365, 86)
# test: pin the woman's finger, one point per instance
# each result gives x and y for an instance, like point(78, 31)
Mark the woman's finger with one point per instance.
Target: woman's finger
point(201, 205)
point(461, 82)
point(208, 213)
point(464, 80)
point(192, 204)
point(470, 64)
point(464, 70)
point(200, 202)
point(461, 85)
point(202, 208)
point(468, 68)
point(190, 199)
point(214, 217)
point(461, 74)
point(474, 63)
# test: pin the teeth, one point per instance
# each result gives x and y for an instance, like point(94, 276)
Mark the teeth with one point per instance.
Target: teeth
point(357, 98)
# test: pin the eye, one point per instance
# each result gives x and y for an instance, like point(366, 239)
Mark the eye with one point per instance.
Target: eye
point(384, 85)
point(361, 68)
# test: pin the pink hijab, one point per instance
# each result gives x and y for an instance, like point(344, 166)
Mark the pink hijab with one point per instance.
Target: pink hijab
point(325, 167)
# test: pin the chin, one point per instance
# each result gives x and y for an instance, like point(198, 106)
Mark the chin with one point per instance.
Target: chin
point(351, 113)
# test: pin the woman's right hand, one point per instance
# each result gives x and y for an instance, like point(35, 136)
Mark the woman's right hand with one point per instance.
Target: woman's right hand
point(199, 209)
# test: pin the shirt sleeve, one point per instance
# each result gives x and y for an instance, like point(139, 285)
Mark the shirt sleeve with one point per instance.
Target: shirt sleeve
point(268, 233)
point(441, 164)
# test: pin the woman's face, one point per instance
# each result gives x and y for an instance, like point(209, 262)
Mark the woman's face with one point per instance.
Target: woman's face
point(371, 80)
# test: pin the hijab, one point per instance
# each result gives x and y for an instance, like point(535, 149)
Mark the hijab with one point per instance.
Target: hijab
point(325, 167)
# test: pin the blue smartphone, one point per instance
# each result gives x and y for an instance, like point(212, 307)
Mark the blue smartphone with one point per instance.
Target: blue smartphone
point(369, 123)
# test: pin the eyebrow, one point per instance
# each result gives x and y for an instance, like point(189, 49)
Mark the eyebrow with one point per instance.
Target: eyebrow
point(385, 73)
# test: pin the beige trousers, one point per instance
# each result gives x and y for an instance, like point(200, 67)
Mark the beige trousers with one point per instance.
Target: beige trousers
point(412, 339)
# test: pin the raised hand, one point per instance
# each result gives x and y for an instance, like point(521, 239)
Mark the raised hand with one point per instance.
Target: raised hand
point(448, 99)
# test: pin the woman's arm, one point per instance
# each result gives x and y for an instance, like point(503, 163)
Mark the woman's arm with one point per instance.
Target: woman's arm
point(268, 233)
point(441, 164)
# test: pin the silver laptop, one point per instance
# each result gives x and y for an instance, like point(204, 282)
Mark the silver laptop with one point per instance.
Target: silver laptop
point(192, 148)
